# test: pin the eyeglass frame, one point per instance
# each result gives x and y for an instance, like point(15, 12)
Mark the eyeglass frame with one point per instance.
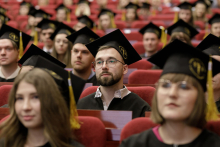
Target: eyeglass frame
point(106, 62)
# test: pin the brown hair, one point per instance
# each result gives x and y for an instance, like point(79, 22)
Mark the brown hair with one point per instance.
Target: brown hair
point(191, 21)
point(15, 46)
point(53, 106)
point(181, 36)
point(67, 57)
point(204, 19)
point(197, 117)
point(112, 22)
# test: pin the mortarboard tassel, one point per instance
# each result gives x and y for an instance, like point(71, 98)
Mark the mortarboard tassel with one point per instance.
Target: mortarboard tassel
point(212, 112)
point(35, 37)
point(112, 21)
point(123, 17)
point(74, 122)
point(206, 30)
point(94, 28)
point(163, 36)
point(20, 46)
point(153, 12)
point(68, 17)
point(175, 17)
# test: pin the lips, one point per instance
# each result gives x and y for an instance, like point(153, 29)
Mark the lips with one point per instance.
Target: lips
point(28, 117)
point(3, 59)
point(78, 62)
point(172, 105)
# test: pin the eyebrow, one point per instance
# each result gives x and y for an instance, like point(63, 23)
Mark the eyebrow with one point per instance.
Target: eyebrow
point(107, 58)
point(34, 93)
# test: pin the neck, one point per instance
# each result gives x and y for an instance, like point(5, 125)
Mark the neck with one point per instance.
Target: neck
point(108, 92)
point(48, 46)
point(216, 95)
point(83, 74)
point(36, 137)
point(178, 133)
point(60, 58)
point(150, 53)
point(9, 69)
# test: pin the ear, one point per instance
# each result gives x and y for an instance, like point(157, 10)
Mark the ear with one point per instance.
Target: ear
point(125, 69)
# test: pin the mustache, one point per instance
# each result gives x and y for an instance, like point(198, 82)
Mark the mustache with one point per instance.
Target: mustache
point(105, 72)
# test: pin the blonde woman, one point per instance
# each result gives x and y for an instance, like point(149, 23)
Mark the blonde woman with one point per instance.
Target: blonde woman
point(83, 8)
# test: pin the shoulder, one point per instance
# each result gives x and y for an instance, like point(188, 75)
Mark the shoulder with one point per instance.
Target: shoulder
point(136, 99)
point(76, 144)
point(139, 140)
point(86, 99)
point(210, 138)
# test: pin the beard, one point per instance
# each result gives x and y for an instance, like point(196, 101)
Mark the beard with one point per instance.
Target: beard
point(108, 81)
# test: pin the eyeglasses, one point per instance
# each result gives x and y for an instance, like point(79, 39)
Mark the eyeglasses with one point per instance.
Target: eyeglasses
point(165, 85)
point(110, 62)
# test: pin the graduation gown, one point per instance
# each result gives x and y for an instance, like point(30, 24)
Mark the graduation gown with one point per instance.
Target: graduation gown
point(131, 102)
point(148, 139)
point(8, 80)
point(218, 105)
point(93, 80)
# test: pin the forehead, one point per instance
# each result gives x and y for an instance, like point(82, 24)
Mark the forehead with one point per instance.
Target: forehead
point(80, 46)
point(107, 53)
point(48, 30)
point(25, 87)
point(149, 35)
point(61, 36)
point(104, 16)
point(5, 42)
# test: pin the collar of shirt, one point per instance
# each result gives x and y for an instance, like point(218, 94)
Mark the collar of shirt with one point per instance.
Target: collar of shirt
point(121, 93)
point(90, 76)
point(47, 50)
point(13, 75)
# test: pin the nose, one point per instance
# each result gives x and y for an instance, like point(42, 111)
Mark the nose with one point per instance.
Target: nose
point(3, 52)
point(104, 66)
point(26, 105)
point(79, 55)
point(173, 91)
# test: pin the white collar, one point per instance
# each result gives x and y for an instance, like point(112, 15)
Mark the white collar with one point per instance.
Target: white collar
point(47, 50)
point(13, 75)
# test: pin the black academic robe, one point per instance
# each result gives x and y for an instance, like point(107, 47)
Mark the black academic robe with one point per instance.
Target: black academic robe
point(218, 105)
point(148, 139)
point(131, 102)
point(93, 80)
point(8, 80)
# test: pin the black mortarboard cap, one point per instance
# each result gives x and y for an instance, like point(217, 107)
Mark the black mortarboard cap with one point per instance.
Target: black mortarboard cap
point(132, 5)
point(62, 29)
point(40, 13)
point(106, 11)
point(118, 41)
point(84, 36)
point(4, 18)
point(152, 28)
point(3, 10)
point(39, 61)
point(13, 34)
point(146, 5)
point(210, 45)
point(179, 57)
point(185, 5)
point(61, 6)
point(46, 24)
point(215, 18)
point(86, 20)
point(203, 2)
point(181, 26)
point(34, 50)
point(83, 1)
point(29, 5)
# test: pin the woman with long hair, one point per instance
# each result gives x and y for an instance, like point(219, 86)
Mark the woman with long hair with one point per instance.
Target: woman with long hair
point(131, 14)
point(106, 20)
point(201, 9)
point(179, 105)
point(62, 46)
point(82, 8)
point(38, 113)
point(185, 13)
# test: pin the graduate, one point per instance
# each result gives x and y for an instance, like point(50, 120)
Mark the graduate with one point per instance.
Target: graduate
point(106, 20)
point(210, 45)
point(113, 53)
point(82, 8)
point(39, 15)
point(62, 46)
point(179, 105)
point(81, 58)
point(131, 14)
point(12, 44)
point(25, 7)
point(185, 13)
point(82, 22)
point(63, 13)
point(182, 31)
point(201, 9)
point(145, 10)
point(215, 24)
point(151, 39)
point(3, 19)
point(47, 29)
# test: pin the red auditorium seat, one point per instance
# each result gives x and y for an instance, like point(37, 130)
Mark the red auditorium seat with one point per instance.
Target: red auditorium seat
point(162, 17)
point(4, 94)
point(139, 125)
point(21, 18)
point(3, 119)
point(94, 17)
point(40, 45)
point(145, 92)
point(201, 35)
point(141, 64)
point(141, 24)
point(23, 26)
point(139, 47)
point(120, 24)
point(133, 35)
point(200, 24)
point(92, 132)
point(70, 24)
point(100, 33)
point(144, 77)
point(195, 44)
point(13, 24)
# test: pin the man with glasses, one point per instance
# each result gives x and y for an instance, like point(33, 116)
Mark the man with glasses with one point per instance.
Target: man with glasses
point(9, 52)
point(113, 53)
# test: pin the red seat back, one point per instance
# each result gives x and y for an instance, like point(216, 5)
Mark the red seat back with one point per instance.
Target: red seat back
point(141, 24)
point(4, 94)
point(13, 24)
point(120, 24)
point(92, 132)
point(141, 64)
point(144, 77)
point(133, 35)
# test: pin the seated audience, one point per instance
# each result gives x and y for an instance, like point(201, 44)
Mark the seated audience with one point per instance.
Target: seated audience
point(10, 50)
point(106, 19)
point(82, 8)
point(63, 13)
point(113, 53)
point(215, 24)
point(185, 13)
point(82, 22)
point(39, 15)
point(179, 105)
point(122, 4)
point(145, 11)
point(201, 9)
point(67, 3)
point(102, 3)
point(25, 8)
point(131, 14)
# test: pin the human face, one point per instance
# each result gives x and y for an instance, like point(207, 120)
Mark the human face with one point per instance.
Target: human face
point(61, 44)
point(156, 3)
point(61, 15)
point(42, 2)
point(24, 10)
point(81, 58)
point(216, 78)
point(67, 2)
point(107, 76)
point(123, 3)
point(102, 3)
point(45, 37)
point(105, 21)
point(79, 26)
point(28, 106)
point(130, 14)
point(150, 41)
point(215, 29)
point(31, 20)
point(200, 10)
point(175, 101)
point(185, 15)
point(8, 54)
